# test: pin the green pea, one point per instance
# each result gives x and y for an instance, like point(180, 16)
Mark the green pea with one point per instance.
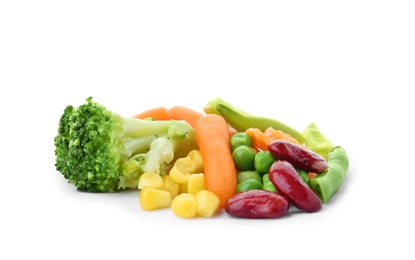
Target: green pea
point(265, 178)
point(243, 157)
point(304, 176)
point(251, 184)
point(269, 186)
point(247, 175)
point(263, 161)
point(241, 139)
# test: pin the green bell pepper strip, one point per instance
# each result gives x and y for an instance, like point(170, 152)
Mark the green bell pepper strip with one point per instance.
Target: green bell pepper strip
point(316, 141)
point(241, 120)
point(327, 183)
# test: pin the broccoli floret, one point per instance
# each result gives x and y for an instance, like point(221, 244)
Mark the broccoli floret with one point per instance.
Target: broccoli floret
point(98, 150)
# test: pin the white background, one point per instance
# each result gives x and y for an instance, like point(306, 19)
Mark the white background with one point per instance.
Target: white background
point(348, 66)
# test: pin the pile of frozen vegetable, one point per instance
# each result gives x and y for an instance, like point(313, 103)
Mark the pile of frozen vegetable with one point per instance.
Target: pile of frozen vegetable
point(199, 164)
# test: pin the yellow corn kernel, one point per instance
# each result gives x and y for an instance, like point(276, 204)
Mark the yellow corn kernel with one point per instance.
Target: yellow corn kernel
point(150, 179)
point(196, 157)
point(208, 203)
point(183, 188)
point(195, 183)
point(185, 164)
point(184, 205)
point(151, 198)
point(181, 169)
point(178, 176)
point(170, 185)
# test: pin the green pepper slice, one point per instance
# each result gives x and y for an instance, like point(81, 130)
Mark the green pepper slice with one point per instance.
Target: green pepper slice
point(317, 141)
point(327, 183)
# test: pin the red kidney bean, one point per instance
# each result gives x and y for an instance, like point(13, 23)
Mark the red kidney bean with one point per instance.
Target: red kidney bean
point(257, 204)
point(289, 184)
point(300, 157)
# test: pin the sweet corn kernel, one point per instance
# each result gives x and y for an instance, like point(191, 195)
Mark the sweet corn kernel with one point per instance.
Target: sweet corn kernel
point(178, 176)
point(195, 183)
point(196, 157)
point(151, 198)
point(185, 164)
point(183, 188)
point(170, 185)
point(184, 205)
point(183, 167)
point(208, 203)
point(150, 179)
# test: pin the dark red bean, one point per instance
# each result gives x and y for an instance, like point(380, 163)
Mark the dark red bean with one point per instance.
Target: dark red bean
point(300, 157)
point(290, 184)
point(257, 204)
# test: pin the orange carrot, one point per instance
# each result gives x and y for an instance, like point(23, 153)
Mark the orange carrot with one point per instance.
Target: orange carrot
point(279, 135)
point(231, 130)
point(157, 113)
point(263, 139)
point(312, 175)
point(184, 113)
point(212, 136)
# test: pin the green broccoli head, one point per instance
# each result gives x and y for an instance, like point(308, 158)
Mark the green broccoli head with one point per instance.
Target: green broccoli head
point(62, 142)
point(97, 150)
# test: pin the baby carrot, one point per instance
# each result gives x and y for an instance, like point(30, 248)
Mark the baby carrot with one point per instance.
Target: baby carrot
point(156, 113)
point(311, 175)
point(184, 113)
point(212, 136)
point(231, 130)
point(261, 141)
point(280, 135)
point(263, 138)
